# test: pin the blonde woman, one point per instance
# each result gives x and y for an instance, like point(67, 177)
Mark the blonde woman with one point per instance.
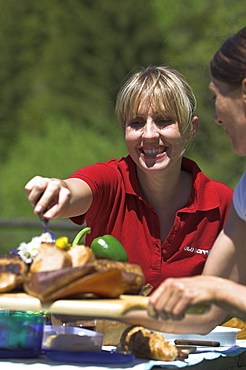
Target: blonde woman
point(156, 202)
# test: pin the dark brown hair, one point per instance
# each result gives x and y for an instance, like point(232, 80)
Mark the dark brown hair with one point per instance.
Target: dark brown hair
point(229, 62)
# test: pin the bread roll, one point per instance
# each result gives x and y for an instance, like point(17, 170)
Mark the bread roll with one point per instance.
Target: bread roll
point(111, 330)
point(80, 255)
point(13, 271)
point(49, 258)
point(142, 343)
point(8, 282)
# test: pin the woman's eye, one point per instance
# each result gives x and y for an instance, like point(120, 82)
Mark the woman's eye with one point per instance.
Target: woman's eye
point(136, 124)
point(164, 121)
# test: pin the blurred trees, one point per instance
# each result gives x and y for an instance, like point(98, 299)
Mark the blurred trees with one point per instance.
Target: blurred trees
point(62, 62)
point(66, 59)
point(61, 65)
point(192, 32)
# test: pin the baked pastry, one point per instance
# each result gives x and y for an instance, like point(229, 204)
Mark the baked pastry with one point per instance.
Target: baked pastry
point(111, 330)
point(44, 283)
point(80, 255)
point(106, 279)
point(12, 273)
point(50, 258)
point(132, 274)
point(143, 343)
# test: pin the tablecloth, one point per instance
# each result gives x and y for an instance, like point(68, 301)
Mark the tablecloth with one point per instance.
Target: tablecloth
point(204, 353)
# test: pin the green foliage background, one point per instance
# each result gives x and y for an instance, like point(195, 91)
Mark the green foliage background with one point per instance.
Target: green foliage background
point(61, 64)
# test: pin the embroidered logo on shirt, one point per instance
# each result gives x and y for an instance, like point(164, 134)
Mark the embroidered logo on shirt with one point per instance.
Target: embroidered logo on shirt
point(197, 250)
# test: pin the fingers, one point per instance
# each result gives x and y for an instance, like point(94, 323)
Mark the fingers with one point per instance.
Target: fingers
point(170, 300)
point(47, 195)
point(61, 196)
point(35, 188)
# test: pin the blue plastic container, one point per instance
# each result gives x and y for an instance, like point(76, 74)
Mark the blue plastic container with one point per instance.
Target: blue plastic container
point(21, 331)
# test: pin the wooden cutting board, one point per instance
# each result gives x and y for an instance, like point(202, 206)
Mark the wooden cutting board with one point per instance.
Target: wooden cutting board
point(89, 307)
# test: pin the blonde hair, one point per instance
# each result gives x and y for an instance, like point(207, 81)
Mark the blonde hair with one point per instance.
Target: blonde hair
point(158, 86)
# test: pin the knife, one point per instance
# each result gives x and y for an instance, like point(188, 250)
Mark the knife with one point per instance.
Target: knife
point(207, 343)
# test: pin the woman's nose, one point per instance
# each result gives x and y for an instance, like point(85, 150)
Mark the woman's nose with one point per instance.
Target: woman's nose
point(150, 130)
point(217, 120)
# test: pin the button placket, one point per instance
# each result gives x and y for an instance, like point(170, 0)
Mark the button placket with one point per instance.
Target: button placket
point(166, 250)
point(176, 228)
point(164, 254)
point(156, 256)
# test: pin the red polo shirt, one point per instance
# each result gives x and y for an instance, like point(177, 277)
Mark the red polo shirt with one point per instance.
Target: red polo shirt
point(119, 209)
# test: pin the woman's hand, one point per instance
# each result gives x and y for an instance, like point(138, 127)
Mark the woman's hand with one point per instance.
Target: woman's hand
point(48, 195)
point(171, 299)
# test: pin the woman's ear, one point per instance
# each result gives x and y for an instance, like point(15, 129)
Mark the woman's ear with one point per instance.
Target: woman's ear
point(194, 126)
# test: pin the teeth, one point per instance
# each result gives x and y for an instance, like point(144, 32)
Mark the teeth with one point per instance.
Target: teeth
point(152, 151)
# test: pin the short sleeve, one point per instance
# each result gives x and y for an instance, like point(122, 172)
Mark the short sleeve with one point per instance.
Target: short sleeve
point(239, 198)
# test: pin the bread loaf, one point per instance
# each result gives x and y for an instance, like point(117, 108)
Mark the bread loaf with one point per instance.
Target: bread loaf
point(143, 343)
point(111, 330)
point(50, 258)
point(12, 273)
point(43, 283)
point(80, 255)
point(104, 278)
point(132, 274)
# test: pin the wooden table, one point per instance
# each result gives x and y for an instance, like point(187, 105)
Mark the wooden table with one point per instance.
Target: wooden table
point(103, 308)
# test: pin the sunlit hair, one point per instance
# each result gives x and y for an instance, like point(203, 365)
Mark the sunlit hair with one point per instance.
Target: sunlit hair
point(160, 88)
point(229, 62)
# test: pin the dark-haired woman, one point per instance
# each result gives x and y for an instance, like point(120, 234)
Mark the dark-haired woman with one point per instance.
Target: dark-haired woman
point(228, 256)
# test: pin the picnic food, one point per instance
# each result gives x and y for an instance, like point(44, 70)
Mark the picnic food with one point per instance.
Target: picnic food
point(66, 270)
point(103, 277)
point(145, 344)
point(132, 274)
point(107, 246)
point(12, 273)
point(50, 257)
point(80, 255)
point(111, 330)
point(54, 270)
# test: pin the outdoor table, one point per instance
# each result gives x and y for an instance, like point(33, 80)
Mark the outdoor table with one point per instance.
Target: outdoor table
point(210, 359)
point(204, 358)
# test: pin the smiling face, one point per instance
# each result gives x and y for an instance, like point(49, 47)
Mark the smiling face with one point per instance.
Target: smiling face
point(153, 139)
point(156, 108)
point(230, 111)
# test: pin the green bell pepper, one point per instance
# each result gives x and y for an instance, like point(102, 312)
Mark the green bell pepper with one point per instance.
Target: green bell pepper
point(107, 246)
